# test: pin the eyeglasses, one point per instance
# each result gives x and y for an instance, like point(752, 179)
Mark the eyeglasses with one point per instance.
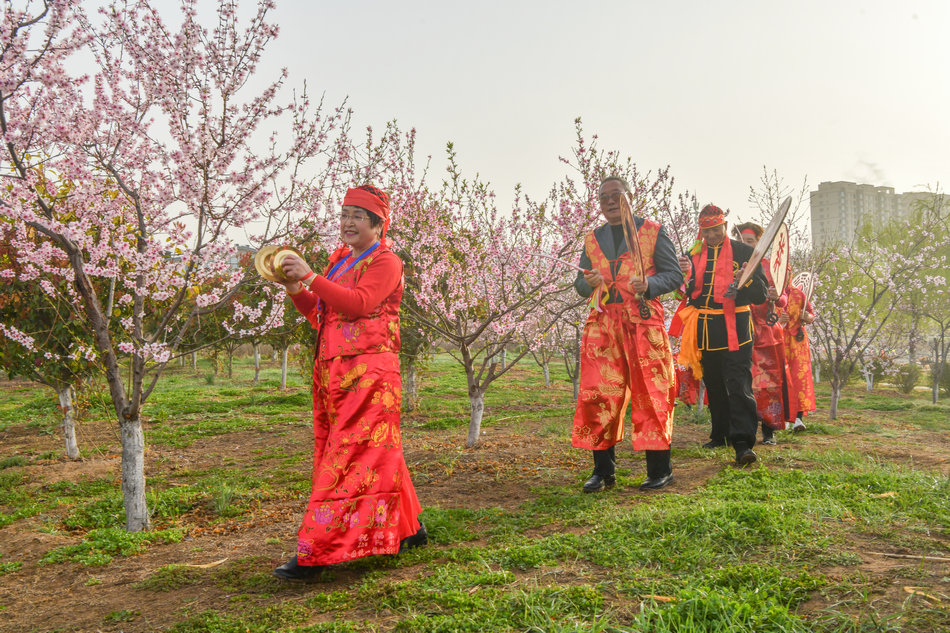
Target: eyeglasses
point(607, 198)
point(356, 217)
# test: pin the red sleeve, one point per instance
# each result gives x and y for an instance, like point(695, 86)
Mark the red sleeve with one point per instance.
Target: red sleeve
point(305, 301)
point(378, 282)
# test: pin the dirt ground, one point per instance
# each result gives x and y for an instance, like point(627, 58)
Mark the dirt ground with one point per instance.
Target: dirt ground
point(500, 472)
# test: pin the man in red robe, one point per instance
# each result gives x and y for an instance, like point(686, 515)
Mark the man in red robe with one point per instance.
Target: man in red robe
point(625, 358)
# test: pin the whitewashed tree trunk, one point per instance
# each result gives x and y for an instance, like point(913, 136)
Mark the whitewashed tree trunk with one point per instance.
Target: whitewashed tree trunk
point(69, 421)
point(835, 396)
point(504, 358)
point(701, 398)
point(133, 475)
point(194, 361)
point(477, 400)
point(547, 374)
point(283, 368)
point(230, 363)
point(817, 373)
point(257, 362)
point(577, 386)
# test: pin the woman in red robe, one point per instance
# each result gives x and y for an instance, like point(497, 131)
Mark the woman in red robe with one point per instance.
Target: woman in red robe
point(801, 397)
point(362, 501)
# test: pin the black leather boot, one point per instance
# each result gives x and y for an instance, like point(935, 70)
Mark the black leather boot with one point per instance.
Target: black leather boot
point(418, 539)
point(605, 466)
point(298, 573)
point(659, 470)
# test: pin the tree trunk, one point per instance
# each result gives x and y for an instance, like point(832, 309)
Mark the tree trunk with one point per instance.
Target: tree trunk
point(817, 367)
point(133, 475)
point(257, 362)
point(283, 369)
point(547, 374)
point(701, 397)
point(869, 381)
point(477, 400)
point(230, 358)
point(504, 357)
point(577, 385)
point(410, 389)
point(194, 362)
point(69, 421)
point(835, 395)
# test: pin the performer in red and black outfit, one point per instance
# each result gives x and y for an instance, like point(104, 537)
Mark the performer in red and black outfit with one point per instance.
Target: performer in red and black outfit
point(717, 331)
point(362, 501)
point(769, 379)
point(625, 358)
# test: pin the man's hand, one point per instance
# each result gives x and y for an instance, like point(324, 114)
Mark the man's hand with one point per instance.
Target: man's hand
point(685, 264)
point(773, 293)
point(639, 286)
point(593, 278)
point(783, 318)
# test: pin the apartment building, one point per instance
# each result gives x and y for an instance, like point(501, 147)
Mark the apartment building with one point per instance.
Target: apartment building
point(839, 208)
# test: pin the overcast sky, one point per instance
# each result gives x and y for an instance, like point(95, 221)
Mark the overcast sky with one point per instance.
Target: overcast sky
point(841, 90)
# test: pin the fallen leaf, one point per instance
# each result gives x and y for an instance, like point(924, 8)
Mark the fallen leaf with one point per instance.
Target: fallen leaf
point(884, 494)
point(660, 598)
point(915, 592)
point(207, 565)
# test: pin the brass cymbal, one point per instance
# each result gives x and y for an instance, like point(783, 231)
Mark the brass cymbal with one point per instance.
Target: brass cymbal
point(268, 259)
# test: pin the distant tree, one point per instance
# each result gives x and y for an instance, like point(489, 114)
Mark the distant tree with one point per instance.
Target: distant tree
point(862, 284)
point(43, 317)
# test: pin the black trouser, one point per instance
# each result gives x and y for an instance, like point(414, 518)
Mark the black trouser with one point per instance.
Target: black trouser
point(658, 463)
point(728, 378)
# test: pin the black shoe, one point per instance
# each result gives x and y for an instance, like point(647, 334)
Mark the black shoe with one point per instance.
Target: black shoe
point(418, 539)
point(745, 457)
point(653, 483)
point(770, 440)
point(596, 483)
point(298, 573)
point(714, 443)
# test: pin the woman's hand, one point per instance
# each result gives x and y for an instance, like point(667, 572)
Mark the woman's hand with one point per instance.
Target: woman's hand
point(773, 293)
point(783, 318)
point(295, 268)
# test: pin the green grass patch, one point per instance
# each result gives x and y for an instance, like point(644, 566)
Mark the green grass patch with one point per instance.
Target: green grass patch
point(101, 545)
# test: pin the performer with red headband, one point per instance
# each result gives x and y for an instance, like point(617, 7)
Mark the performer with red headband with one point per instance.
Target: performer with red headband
point(625, 357)
point(769, 381)
point(362, 501)
point(717, 331)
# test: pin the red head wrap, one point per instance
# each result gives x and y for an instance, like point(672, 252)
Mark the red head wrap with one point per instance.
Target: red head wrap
point(374, 200)
point(749, 232)
point(711, 216)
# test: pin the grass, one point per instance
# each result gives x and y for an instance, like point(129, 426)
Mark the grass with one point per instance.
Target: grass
point(783, 547)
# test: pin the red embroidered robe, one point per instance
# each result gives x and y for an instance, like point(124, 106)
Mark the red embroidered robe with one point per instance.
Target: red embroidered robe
point(625, 359)
point(769, 381)
point(362, 501)
point(801, 396)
